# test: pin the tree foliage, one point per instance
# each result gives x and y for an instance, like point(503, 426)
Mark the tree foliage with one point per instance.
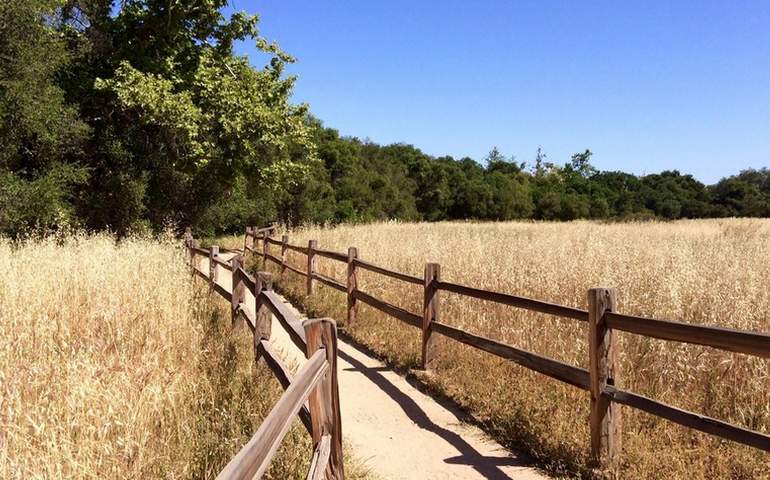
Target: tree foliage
point(138, 114)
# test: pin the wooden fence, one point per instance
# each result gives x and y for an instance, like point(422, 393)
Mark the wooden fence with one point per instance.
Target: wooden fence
point(312, 394)
point(599, 380)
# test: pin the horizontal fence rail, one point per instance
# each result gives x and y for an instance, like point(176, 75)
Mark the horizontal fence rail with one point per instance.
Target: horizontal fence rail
point(603, 323)
point(750, 343)
point(575, 376)
point(255, 456)
point(514, 301)
point(312, 394)
point(688, 419)
point(396, 312)
point(389, 273)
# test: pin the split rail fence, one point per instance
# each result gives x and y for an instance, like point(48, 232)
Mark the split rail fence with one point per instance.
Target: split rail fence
point(600, 379)
point(312, 393)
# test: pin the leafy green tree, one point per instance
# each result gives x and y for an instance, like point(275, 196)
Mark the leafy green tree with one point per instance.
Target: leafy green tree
point(40, 134)
point(734, 196)
point(168, 101)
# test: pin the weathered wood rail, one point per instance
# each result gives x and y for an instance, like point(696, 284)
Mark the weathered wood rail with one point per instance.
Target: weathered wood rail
point(312, 394)
point(600, 379)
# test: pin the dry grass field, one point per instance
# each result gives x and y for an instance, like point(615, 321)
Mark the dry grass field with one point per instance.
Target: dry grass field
point(115, 365)
point(708, 271)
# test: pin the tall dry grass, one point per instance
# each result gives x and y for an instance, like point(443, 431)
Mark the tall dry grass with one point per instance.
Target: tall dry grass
point(115, 365)
point(705, 271)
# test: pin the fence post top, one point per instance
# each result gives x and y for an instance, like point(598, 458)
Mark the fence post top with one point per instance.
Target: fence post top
point(265, 276)
point(284, 238)
point(432, 269)
point(312, 321)
point(237, 260)
point(353, 251)
point(601, 290)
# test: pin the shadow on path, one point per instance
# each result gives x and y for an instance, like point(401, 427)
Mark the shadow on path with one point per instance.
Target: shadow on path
point(468, 455)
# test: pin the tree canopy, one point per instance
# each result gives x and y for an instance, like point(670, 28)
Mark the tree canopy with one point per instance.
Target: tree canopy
point(138, 115)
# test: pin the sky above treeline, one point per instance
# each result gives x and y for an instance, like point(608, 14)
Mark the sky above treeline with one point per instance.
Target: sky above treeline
point(647, 87)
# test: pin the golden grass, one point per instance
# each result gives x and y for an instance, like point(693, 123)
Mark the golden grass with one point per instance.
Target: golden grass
point(115, 365)
point(705, 271)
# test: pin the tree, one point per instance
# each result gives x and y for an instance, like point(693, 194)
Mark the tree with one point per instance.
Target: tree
point(40, 134)
point(170, 104)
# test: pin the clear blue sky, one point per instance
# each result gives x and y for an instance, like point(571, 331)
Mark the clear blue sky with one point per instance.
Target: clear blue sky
point(647, 87)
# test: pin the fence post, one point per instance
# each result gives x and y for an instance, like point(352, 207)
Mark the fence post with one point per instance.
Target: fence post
point(265, 246)
point(284, 252)
point(605, 419)
point(430, 314)
point(239, 290)
point(311, 246)
point(264, 316)
point(352, 284)
point(213, 253)
point(324, 402)
point(248, 240)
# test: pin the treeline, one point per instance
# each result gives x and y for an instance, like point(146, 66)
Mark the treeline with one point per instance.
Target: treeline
point(139, 116)
point(362, 181)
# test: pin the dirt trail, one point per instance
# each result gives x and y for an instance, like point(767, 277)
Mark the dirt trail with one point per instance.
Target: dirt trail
point(398, 431)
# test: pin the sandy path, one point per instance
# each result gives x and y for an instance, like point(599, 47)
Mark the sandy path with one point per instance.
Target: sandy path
point(398, 431)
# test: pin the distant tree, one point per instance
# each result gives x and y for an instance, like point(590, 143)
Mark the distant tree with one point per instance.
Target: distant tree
point(735, 196)
point(580, 163)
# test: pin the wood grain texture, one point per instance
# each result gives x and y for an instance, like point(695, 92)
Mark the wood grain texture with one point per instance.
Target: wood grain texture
point(255, 456)
point(514, 301)
point(320, 459)
point(324, 401)
point(689, 419)
point(741, 341)
point(605, 417)
point(285, 317)
point(574, 376)
point(264, 319)
point(248, 316)
point(282, 374)
point(430, 313)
